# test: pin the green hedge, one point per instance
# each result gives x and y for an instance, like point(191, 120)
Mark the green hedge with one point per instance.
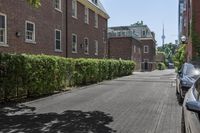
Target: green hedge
point(161, 66)
point(24, 75)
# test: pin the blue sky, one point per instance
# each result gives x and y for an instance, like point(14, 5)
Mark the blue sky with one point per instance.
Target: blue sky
point(154, 13)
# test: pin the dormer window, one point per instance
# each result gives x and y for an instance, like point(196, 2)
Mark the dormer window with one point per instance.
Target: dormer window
point(95, 2)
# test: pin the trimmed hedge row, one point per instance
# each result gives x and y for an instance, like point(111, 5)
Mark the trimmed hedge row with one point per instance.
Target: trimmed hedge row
point(24, 75)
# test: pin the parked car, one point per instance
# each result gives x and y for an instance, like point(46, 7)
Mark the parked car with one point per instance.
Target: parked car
point(185, 79)
point(191, 110)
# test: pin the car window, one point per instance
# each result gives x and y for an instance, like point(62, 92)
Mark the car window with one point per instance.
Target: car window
point(190, 70)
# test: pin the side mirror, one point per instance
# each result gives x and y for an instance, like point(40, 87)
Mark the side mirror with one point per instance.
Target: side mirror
point(193, 106)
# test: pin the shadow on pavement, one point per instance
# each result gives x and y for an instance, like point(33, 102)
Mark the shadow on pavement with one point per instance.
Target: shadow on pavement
point(13, 120)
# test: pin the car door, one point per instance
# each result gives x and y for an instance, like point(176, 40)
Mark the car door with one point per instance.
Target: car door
point(192, 118)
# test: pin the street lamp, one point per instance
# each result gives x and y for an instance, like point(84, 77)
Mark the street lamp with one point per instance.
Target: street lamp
point(183, 39)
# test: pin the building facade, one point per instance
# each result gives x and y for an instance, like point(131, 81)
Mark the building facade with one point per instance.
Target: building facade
point(144, 41)
point(86, 29)
point(126, 48)
point(189, 27)
point(25, 29)
point(68, 28)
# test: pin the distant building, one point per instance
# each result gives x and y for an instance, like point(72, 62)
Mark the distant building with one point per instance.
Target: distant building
point(126, 48)
point(136, 35)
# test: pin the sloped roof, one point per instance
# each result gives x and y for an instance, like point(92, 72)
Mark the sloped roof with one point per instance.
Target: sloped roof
point(99, 5)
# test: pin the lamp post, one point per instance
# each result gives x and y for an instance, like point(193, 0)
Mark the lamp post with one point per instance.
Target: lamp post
point(183, 39)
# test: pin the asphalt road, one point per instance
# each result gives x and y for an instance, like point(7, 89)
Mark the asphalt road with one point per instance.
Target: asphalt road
point(140, 103)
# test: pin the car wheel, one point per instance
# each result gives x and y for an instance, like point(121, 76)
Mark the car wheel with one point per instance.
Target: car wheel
point(182, 123)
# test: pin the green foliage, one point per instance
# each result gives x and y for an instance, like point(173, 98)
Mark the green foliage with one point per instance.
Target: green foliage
point(169, 50)
point(180, 57)
point(35, 75)
point(161, 66)
point(35, 3)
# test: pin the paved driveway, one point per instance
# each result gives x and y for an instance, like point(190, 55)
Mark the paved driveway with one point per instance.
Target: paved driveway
point(140, 103)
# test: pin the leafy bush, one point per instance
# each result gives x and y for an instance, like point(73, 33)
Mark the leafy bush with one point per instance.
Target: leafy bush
point(180, 57)
point(24, 75)
point(161, 66)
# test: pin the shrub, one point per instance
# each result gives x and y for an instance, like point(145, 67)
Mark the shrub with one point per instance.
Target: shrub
point(24, 75)
point(161, 66)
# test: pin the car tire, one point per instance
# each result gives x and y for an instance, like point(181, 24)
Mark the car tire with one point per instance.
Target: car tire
point(183, 123)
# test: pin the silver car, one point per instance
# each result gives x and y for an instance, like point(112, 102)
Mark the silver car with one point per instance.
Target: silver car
point(191, 110)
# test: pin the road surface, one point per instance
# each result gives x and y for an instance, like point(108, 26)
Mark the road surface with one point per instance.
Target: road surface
point(140, 103)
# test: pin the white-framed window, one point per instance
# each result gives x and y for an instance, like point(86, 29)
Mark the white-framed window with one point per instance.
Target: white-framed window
point(135, 49)
point(139, 50)
point(86, 45)
point(74, 43)
point(86, 18)
point(57, 40)
point(3, 29)
point(30, 31)
point(96, 44)
point(74, 8)
point(57, 5)
point(95, 2)
point(146, 49)
point(96, 20)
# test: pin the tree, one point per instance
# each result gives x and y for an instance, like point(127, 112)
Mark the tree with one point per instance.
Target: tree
point(180, 57)
point(35, 3)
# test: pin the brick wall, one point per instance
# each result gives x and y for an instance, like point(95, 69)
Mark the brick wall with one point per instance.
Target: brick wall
point(150, 56)
point(82, 30)
point(46, 20)
point(126, 48)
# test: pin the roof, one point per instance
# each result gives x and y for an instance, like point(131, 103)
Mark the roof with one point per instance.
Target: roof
point(120, 28)
point(99, 5)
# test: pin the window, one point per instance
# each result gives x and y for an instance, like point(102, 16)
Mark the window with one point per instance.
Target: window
point(96, 20)
point(146, 49)
point(57, 4)
point(95, 2)
point(139, 50)
point(30, 32)
point(74, 43)
point(143, 33)
point(86, 15)
point(96, 47)
point(3, 32)
point(86, 45)
point(134, 49)
point(58, 40)
point(74, 8)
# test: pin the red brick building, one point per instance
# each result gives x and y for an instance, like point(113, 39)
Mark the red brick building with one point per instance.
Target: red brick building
point(142, 51)
point(86, 29)
point(24, 29)
point(149, 53)
point(127, 48)
point(69, 28)
point(190, 27)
